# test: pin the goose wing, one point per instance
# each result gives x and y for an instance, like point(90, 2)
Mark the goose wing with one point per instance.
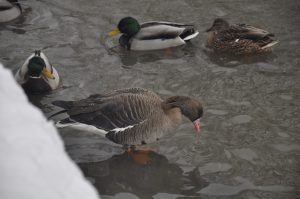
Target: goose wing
point(115, 111)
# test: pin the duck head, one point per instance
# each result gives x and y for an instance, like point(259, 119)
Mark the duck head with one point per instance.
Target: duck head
point(37, 68)
point(219, 24)
point(128, 26)
point(191, 108)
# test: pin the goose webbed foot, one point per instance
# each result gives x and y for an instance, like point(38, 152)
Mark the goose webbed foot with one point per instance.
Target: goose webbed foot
point(140, 154)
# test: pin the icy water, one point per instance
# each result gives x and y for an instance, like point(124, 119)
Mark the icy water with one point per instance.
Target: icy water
point(249, 146)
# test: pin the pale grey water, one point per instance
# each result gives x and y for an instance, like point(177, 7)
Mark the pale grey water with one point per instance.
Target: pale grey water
point(249, 146)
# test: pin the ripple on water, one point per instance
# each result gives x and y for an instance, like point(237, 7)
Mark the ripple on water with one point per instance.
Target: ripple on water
point(216, 112)
point(227, 154)
point(241, 119)
point(172, 61)
point(245, 154)
point(282, 134)
point(166, 196)
point(286, 97)
point(235, 103)
point(224, 69)
point(286, 147)
point(229, 190)
point(266, 67)
point(214, 167)
point(219, 12)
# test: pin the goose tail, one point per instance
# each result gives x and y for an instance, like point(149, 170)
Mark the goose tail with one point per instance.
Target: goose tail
point(80, 126)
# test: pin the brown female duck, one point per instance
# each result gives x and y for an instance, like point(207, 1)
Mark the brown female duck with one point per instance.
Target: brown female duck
point(239, 38)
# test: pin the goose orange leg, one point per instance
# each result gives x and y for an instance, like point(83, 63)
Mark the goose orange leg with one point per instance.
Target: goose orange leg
point(140, 154)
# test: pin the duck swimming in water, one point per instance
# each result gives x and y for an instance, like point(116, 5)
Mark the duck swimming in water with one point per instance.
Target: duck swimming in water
point(239, 38)
point(9, 10)
point(152, 35)
point(37, 75)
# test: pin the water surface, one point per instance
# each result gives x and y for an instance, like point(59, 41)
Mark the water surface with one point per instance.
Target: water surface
point(249, 146)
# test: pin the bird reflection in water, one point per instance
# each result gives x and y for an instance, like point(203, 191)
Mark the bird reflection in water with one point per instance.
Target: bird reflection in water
point(122, 174)
point(230, 61)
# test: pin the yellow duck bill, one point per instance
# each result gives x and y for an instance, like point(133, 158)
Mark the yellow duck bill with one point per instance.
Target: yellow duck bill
point(114, 32)
point(47, 74)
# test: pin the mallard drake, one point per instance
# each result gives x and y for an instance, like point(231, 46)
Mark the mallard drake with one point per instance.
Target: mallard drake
point(37, 74)
point(238, 38)
point(9, 10)
point(131, 116)
point(152, 35)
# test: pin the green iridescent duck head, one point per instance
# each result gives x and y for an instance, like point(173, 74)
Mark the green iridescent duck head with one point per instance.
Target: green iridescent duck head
point(128, 26)
point(37, 68)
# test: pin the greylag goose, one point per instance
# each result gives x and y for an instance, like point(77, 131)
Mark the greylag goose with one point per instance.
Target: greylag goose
point(9, 10)
point(152, 35)
point(37, 74)
point(131, 116)
point(239, 38)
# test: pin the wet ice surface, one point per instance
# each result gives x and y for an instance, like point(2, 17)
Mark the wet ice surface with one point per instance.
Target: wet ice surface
point(249, 144)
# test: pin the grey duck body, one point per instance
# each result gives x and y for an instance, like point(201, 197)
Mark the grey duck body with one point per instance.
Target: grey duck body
point(129, 117)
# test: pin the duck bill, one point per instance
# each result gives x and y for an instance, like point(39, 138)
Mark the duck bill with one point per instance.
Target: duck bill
point(47, 73)
point(114, 32)
point(197, 125)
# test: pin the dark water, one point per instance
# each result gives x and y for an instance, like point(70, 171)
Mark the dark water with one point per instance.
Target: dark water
point(249, 146)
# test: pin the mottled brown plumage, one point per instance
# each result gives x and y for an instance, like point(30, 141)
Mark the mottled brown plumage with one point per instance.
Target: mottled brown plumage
point(132, 116)
point(239, 38)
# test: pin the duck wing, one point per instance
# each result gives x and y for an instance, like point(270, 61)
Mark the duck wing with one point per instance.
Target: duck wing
point(244, 31)
point(161, 30)
point(153, 23)
point(252, 33)
point(114, 111)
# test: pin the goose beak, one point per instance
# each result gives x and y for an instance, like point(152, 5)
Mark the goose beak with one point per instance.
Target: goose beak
point(197, 125)
point(47, 73)
point(114, 32)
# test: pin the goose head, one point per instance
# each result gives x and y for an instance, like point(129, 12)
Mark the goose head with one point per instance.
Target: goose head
point(189, 107)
